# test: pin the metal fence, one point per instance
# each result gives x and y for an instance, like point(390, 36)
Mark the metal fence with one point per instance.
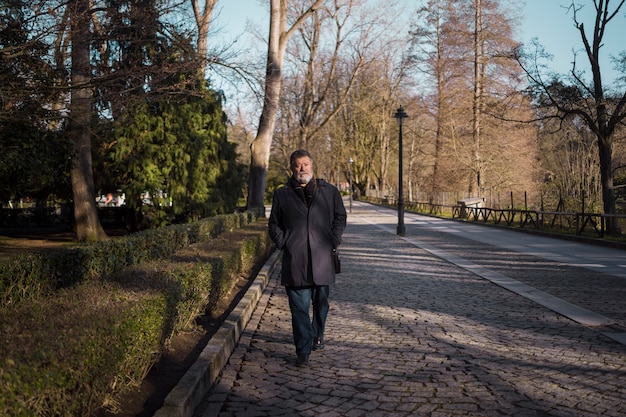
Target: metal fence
point(580, 223)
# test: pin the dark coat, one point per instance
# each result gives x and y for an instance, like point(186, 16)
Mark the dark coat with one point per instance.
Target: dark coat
point(307, 233)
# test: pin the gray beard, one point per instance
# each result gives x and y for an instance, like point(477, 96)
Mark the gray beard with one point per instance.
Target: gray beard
point(302, 181)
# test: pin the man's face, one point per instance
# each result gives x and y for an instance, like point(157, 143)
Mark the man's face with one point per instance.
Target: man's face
point(303, 170)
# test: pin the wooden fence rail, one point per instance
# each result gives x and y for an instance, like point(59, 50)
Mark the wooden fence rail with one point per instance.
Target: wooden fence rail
point(580, 223)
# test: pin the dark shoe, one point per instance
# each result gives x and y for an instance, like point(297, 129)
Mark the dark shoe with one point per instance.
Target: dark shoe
point(303, 360)
point(318, 344)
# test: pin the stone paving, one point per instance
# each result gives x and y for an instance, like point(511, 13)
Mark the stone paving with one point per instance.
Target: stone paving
point(411, 334)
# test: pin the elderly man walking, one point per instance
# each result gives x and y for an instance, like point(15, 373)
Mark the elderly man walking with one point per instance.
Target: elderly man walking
point(307, 221)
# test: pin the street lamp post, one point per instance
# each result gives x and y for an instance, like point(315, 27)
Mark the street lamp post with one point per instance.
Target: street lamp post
point(400, 116)
point(351, 161)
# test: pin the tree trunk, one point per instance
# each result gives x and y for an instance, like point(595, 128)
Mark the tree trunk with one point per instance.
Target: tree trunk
point(608, 191)
point(261, 146)
point(475, 184)
point(203, 21)
point(603, 123)
point(441, 105)
point(88, 227)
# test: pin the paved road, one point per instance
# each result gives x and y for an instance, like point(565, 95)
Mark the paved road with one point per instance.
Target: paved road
point(453, 319)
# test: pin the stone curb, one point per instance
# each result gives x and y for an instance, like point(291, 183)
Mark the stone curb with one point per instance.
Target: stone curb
point(188, 394)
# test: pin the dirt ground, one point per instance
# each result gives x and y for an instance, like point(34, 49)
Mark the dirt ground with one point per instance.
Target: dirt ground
point(146, 399)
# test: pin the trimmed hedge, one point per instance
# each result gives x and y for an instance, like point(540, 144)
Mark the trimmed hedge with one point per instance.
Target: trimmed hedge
point(66, 354)
point(70, 350)
point(26, 277)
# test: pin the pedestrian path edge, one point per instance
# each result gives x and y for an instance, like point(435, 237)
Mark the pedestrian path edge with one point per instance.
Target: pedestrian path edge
point(199, 379)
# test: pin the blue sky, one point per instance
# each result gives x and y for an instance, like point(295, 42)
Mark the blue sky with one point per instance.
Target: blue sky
point(545, 20)
point(553, 26)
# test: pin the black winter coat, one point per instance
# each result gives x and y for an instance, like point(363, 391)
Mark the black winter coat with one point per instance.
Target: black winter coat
point(307, 233)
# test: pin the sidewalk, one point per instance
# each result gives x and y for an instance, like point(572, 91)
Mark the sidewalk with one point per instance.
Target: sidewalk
point(422, 326)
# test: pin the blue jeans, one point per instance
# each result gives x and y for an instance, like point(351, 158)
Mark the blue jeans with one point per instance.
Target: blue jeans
point(304, 328)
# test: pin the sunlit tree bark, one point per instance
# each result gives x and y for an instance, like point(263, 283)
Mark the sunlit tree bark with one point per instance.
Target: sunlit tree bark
point(203, 21)
point(260, 149)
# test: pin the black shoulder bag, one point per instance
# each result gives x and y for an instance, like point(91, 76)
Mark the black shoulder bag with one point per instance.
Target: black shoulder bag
point(336, 261)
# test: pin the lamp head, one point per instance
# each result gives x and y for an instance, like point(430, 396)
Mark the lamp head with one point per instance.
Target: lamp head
point(400, 115)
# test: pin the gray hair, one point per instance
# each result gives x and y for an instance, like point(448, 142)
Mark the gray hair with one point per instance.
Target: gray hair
point(300, 153)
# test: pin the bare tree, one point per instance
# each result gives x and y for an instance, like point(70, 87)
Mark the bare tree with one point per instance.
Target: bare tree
point(260, 149)
point(365, 127)
point(475, 184)
point(569, 158)
point(430, 57)
point(203, 21)
point(329, 72)
point(324, 64)
point(469, 150)
point(587, 100)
